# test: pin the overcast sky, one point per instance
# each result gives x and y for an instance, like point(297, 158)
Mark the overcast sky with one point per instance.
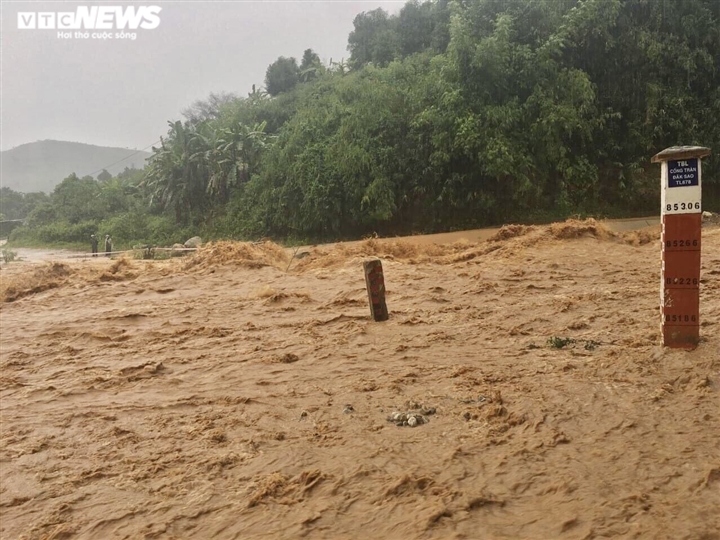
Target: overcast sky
point(122, 92)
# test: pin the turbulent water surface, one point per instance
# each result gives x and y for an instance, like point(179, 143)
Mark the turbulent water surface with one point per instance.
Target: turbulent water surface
point(226, 396)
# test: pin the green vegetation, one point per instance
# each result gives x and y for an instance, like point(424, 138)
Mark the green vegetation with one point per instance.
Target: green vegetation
point(560, 343)
point(557, 342)
point(9, 255)
point(449, 115)
point(16, 205)
point(41, 165)
point(79, 207)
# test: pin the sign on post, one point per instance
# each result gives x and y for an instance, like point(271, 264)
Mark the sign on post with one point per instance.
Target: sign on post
point(681, 218)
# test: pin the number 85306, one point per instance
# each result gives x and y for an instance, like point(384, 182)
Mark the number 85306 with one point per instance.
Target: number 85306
point(682, 206)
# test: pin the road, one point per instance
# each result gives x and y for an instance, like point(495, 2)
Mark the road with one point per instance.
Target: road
point(37, 255)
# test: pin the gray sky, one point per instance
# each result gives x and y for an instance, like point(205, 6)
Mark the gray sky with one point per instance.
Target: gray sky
point(122, 92)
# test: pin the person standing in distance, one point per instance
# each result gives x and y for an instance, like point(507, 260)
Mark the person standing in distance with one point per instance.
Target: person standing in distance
point(94, 245)
point(108, 245)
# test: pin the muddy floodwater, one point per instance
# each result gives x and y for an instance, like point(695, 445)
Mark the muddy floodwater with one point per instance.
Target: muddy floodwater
point(238, 394)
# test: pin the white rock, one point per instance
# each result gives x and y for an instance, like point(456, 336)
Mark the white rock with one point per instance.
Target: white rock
point(193, 242)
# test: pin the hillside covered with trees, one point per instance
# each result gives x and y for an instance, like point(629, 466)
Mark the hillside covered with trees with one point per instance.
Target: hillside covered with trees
point(41, 165)
point(451, 114)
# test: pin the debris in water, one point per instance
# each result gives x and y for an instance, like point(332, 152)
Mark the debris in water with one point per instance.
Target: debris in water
point(411, 418)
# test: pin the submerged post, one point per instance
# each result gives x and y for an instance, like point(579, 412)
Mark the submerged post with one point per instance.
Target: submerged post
point(375, 283)
point(681, 217)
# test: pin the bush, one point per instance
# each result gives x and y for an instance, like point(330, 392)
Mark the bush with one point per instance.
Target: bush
point(126, 230)
point(8, 255)
point(140, 228)
point(163, 231)
point(60, 232)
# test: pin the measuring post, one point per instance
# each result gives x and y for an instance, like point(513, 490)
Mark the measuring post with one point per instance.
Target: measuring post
point(681, 211)
point(375, 283)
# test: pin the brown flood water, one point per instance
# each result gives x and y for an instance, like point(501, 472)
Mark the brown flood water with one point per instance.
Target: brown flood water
point(219, 396)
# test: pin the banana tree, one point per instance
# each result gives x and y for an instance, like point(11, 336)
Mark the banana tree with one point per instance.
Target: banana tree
point(176, 177)
point(233, 156)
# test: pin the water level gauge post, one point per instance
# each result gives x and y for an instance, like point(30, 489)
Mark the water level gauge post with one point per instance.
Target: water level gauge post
point(681, 238)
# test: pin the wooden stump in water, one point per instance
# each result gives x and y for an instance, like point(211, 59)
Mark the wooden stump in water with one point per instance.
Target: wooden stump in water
point(375, 283)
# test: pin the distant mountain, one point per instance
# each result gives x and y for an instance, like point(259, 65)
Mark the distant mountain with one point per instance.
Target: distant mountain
point(41, 165)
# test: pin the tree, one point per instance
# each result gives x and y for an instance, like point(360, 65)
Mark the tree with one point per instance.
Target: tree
point(341, 67)
point(210, 108)
point(231, 155)
point(282, 76)
point(104, 176)
point(257, 95)
point(11, 203)
point(131, 174)
point(374, 39)
point(117, 195)
point(379, 38)
point(43, 214)
point(76, 199)
point(310, 66)
point(176, 177)
point(508, 110)
point(415, 27)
